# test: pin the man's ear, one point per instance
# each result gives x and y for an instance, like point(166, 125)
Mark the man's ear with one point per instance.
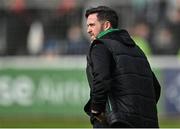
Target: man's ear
point(107, 25)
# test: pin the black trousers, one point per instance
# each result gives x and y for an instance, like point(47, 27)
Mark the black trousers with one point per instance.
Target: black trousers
point(97, 124)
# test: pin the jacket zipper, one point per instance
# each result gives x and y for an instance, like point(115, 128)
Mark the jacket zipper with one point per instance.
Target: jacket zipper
point(109, 103)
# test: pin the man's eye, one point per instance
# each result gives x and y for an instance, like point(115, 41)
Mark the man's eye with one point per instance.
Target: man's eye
point(91, 25)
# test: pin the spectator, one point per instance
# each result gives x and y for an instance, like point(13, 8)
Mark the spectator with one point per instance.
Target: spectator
point(175, 27)
point(76, 42)
point(140, 36)
point(163, 43)
point(18, 24)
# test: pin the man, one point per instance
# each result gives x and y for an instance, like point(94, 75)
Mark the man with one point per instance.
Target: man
point(123, 89)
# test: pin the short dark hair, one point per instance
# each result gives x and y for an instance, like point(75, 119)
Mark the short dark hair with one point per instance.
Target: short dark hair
point(104, 13)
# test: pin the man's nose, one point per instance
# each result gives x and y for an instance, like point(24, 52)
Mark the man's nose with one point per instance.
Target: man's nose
point(88, 30)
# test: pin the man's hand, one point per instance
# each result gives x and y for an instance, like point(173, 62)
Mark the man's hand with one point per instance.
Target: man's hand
point(99, 116)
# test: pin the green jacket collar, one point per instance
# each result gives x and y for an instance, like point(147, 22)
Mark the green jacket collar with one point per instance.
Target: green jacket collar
point(101, 34)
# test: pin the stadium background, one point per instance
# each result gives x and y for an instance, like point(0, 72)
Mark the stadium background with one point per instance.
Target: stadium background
point(42, 58)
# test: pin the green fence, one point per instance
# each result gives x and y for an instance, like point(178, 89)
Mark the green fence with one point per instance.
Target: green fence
point(42, 91)
point(38, 92)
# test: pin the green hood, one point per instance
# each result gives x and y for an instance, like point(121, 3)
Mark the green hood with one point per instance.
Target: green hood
point(101, 34)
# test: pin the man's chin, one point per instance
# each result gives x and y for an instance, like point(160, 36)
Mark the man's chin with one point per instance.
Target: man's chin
point(92, 39)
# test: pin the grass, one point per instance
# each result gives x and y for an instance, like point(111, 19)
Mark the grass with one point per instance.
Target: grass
point(56, 122)
point(173, 122)
point(43, 122)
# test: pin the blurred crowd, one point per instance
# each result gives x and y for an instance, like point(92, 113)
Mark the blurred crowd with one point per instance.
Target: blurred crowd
point(56, 27)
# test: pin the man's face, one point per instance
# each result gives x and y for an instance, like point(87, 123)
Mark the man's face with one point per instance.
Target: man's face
point(94, 26)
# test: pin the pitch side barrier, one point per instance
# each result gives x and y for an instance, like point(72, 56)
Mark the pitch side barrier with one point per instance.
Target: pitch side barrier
point(58, 86)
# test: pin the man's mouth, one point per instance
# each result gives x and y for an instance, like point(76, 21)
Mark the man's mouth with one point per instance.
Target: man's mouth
point(92, 36)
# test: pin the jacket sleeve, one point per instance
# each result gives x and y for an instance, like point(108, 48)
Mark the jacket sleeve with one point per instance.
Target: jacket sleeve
point(101, 61)
point(157, 87)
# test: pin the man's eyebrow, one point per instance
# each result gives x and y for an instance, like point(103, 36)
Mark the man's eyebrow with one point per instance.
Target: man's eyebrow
point(90, 24)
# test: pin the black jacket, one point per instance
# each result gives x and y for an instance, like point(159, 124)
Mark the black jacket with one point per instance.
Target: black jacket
point(121, 81)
